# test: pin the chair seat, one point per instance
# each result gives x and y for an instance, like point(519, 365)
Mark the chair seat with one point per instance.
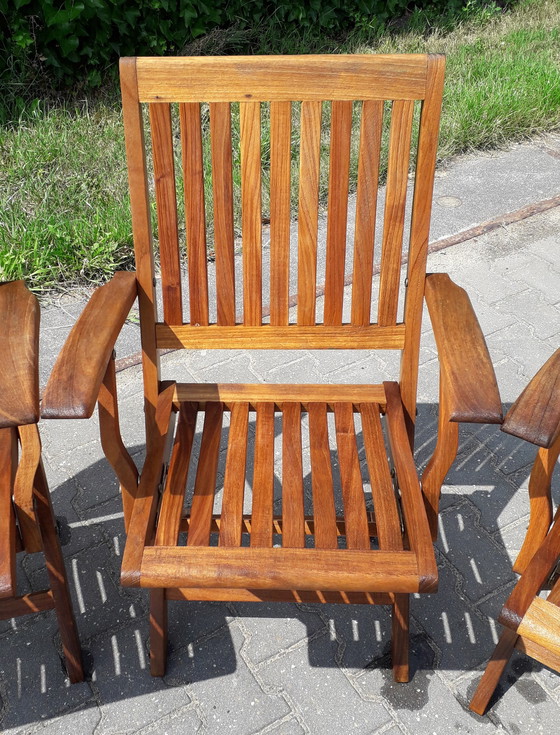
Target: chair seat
point(283, 495)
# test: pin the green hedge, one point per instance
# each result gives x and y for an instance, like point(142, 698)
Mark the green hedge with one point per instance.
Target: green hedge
point(69, 41)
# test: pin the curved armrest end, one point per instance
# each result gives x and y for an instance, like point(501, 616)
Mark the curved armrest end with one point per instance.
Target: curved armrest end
point(75, 380)
point(466, 368)
point(535, 415)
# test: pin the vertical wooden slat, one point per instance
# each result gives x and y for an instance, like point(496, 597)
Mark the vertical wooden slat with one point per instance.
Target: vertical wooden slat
point(195, 222)
point(366, 208)
point(419, 233)
point(234, 481)
point(395, 201)
point(24, 503)
point(280, 165)
point(384, 502)
point(205, 483)
point(222, 186)
point(173, 498)
point(293, 527)
point(355, 514)
point(308, 210)
point(339, 167)
point(324, 511)
point(142, 232)
point(8, 462)
point(251, 213)
point(166, 201)
point(263, 477)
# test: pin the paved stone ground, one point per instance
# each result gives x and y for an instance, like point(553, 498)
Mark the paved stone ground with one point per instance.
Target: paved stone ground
point(290, 669)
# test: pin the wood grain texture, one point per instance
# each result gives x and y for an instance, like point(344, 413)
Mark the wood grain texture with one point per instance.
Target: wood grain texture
point(24, 503)
point(384, 503)
point(399, 637)
point(324, 511)
point(19, 344)
point(166, 201)
point(205, 482)
point(280, 172)
point(357, 531)
point(395, 202)
point(419, 233)
point(535, 415)
point(171, 508)
point(277, 78)
point(263, 477)
point(8, 463)
point(292, 337)
point(13, 607)
point(305, 596)
point(293, 525)
point(466, 367)
point(111, 440)
point(141, 524)
point(541, 625)
point(493, 671)
point(415, 519)
point(266, 568)
point(308, 210)
point(76, 378)
point(337, 215)
point(234, 481)
point(366, 209)
point(540, 503)
point(195, 220)
point(251, 211)
point(278, 394)
point(142, 235)
point(222, 188)
point(539, 653)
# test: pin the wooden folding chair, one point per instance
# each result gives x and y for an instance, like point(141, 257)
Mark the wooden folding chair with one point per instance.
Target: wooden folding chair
point(531, 623)
point(26, 517)
point(212, 550)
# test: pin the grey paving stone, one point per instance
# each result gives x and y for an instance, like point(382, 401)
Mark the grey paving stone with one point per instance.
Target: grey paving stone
point(180, 721)
point(320, 692)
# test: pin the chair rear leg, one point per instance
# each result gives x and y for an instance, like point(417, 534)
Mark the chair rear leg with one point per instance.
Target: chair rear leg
point(399, 643)
point(58, 579)
point(494, 670)
point(158, 632)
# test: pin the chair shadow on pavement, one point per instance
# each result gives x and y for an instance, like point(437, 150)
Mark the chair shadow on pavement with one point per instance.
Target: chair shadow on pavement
point(267, 647)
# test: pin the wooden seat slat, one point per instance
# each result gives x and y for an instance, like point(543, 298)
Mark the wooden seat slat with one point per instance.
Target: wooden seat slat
point(355, 514)
point(171, 509)
point(263, 477)
point(205, 482)
point(384, 501)
point(234, 481)
point(324, 511)
point(293, 524)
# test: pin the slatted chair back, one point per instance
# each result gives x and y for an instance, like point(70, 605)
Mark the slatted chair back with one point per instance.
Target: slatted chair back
point(325, 99)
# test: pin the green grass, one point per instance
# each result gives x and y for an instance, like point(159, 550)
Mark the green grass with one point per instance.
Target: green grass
point(64, 215)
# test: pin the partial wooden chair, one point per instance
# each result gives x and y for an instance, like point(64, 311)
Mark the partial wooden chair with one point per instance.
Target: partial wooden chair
point(531, 623)
point(212, 550)
point(26, 517)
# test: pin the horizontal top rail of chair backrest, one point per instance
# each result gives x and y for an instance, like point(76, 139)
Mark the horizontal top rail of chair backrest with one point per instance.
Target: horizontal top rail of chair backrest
point(281, 78)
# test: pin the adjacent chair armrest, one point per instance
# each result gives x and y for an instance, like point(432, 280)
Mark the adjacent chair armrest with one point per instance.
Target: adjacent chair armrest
point(467, 373)
point(19, 347)
point(535, 415)
point(76, 378)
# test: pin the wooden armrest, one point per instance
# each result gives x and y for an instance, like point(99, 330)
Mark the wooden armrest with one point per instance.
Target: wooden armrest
point(19, 347)
point(466, 368)
point(535, 415)
point(74, 383)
